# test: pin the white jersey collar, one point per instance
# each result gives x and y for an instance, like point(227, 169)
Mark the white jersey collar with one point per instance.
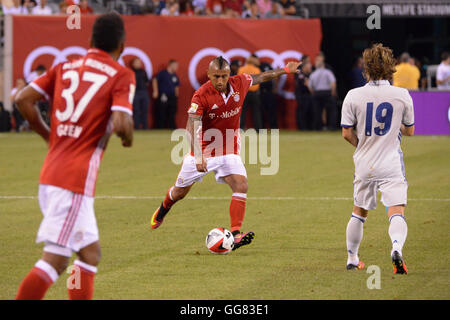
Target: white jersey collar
point(378, 83)
point(225, 98)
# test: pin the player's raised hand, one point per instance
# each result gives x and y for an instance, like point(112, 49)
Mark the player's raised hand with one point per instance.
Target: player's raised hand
point(293, 66)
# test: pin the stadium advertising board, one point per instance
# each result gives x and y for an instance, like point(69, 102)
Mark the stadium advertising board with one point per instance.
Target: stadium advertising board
point(155, 40)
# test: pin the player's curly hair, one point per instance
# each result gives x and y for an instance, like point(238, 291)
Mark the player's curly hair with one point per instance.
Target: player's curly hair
point(379, 62)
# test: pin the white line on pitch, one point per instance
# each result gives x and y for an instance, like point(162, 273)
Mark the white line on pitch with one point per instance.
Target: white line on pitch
point(228, 198)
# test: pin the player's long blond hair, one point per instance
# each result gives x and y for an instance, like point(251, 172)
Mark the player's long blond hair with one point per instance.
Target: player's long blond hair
point(379, 62)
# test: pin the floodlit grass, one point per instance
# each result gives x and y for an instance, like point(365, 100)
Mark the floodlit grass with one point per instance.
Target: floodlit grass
point(299, 251)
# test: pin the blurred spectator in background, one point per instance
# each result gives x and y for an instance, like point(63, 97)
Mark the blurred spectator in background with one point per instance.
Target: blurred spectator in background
point(141, 98)
point(172, 8)
point(305, 106)
point(406, 75)
point(28, 6)
point(84, 7)
point(268, 99)
point(42, 9)
point(322, 84)
point(423, 73)
point(186, 9)
point(158, 6)
point(5, 119)
point(14, 8)
point(215, 7)
point(165, 92)
point(264, 6)
point(234, 67)
point(357, 77)
point(63, 7)
point(251, 10)
point(252, 100)
point(199, 6)
point(40, 70)
point(233, 8)
point(443, 72)
point(288, 6)
point(20, 122)
point(276, 11)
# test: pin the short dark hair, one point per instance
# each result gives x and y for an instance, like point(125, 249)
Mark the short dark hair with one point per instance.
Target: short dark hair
point(108, 32)
point(172, 61)
point(444, 55)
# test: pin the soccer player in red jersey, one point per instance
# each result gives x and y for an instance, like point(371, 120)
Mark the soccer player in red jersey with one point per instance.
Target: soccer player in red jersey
point(91, 99)
point(215, 112)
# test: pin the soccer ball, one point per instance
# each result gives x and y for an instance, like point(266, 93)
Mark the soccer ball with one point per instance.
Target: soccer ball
point(219, 241)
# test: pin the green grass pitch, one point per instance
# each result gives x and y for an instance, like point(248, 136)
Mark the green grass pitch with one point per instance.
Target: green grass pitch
point(299, 216)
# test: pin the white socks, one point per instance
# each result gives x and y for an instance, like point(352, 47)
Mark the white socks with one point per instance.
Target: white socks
point(48, 269)
point(354, 237)
point(397, 231)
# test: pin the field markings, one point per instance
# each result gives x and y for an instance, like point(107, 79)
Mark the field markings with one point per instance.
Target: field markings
point(116, 197)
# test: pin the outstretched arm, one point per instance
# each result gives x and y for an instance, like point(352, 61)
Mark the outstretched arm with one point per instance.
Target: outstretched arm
point(291, 67)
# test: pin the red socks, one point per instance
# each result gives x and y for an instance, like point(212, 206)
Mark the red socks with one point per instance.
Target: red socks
point(37, 282)
point(80, 284)
point(237, 210)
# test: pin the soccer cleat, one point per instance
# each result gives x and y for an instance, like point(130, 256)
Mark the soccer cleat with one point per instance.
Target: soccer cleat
point(242, 239)
point(359, 266)
point(398, 263)
point(155, 222)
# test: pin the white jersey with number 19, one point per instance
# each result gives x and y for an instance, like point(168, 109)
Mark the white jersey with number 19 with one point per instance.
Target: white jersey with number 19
point(377, 111)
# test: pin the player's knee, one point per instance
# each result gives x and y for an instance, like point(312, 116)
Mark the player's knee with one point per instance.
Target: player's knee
point(61, 266)
point(57, 261)
point(91, 255)
point(179, 193)
point(242, 187)
point(92, 258)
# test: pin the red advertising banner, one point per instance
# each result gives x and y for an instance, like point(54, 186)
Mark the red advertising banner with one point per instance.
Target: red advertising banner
point(193, 42)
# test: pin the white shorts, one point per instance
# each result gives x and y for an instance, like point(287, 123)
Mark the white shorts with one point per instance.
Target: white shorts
point(222, 166)
point(393, 192)
point(69, 218)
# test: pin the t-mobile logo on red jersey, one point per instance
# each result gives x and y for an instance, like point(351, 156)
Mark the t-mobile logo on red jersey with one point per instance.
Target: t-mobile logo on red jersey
point(229, 114)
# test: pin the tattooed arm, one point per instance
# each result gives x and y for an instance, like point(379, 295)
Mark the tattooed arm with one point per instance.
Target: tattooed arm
point(193, 128)
point(292, 67)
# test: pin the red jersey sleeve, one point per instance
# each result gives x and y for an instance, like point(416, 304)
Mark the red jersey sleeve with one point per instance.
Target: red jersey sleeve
point(123, 92)
point(197, 106)
point(45, 84)
point(246, 81)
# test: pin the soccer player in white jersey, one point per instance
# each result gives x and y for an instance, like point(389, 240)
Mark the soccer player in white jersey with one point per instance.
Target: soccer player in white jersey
point(374, 118)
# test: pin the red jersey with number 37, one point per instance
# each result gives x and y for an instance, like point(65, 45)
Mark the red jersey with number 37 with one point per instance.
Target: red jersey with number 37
point(83, 94)
point(221, 115)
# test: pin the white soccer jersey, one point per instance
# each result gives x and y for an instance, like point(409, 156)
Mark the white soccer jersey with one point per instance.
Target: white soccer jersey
point(377, 111)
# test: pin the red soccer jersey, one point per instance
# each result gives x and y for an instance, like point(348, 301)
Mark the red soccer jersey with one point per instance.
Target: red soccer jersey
point(83, 92)
point(220, 114)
